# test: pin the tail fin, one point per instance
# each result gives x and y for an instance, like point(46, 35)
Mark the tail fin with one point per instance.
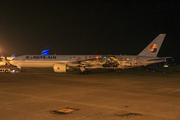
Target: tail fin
point(13, 55)
point(46, 51)
point(153, 48)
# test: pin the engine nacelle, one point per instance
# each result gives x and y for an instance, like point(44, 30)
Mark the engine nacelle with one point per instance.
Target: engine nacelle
point(60, 68)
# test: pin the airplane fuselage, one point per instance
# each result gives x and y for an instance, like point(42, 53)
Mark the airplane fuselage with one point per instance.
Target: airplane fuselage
point(61, 63)
point(100, 61)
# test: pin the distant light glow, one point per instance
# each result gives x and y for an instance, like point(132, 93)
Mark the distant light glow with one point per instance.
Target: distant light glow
point(153, 70)
point(13, 71)
point(97, 57)
point(146, 69)
point(164, 72)
point(165, 65)
point(139, 67)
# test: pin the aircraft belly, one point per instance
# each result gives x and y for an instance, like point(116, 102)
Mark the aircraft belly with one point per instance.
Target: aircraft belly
point(35, 63)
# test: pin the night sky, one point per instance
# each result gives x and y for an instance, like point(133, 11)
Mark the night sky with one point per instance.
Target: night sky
point(88, 27)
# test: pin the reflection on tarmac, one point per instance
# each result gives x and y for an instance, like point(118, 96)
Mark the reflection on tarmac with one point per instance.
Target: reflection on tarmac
point(135, 94)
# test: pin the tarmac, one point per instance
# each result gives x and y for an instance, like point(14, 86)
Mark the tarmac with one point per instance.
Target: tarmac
point(134, 94)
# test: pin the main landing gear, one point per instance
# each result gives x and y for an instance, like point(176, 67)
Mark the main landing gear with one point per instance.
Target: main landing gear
point(84, 71)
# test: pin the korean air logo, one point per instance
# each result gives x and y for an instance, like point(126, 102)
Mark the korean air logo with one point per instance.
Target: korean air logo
point(153, 48)
point(30, 57)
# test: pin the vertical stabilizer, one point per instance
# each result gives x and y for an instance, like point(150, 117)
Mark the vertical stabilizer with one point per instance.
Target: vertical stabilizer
point(46, 51)
point(153, 48)
point(13, 55)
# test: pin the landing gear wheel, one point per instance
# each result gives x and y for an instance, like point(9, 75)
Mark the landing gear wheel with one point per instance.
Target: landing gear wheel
point(90, 71)
point(79, 72)
point(83, 73)
point(86, 72)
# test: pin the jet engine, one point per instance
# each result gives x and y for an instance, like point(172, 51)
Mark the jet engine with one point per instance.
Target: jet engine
point(60, 68)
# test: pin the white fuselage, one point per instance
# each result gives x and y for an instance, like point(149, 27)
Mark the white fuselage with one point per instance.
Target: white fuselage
point(124, 61)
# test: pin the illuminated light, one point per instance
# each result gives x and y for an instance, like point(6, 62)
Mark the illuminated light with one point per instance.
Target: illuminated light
point(97, 57)
point(13, 71)
point(104, 57)
point(175, 63)
point(165, 65)
point(146, 69)
point(164, 72)
point(153, 70)
point(139, 67)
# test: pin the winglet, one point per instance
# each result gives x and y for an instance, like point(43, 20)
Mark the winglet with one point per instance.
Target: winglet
point(153, 48)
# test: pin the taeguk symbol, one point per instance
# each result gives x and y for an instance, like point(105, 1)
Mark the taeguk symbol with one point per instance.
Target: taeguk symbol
point(153, 48)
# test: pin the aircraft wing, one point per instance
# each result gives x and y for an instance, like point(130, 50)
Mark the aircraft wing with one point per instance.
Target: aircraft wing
point(86, 62)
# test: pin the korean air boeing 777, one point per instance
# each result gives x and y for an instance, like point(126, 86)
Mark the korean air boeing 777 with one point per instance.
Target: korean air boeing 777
point(62, 63)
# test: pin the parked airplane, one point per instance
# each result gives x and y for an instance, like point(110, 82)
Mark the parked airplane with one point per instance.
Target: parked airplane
point(84, 63)
point(5, 60)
